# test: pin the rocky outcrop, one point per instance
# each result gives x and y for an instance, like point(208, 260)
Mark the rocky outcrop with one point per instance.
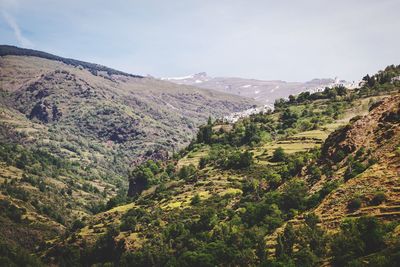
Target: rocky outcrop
point(374, 131)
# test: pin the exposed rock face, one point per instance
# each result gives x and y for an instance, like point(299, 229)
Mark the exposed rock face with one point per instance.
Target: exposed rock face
point(378, 133)
point(158, 154)
point(375, 131)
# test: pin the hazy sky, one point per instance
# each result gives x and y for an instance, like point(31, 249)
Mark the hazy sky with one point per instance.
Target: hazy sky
point(289, 40)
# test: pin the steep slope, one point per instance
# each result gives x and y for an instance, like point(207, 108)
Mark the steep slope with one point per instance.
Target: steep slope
point(371, 147)
point(264, 91)
point(70, 131)
point(313, 183)
point(128, 114)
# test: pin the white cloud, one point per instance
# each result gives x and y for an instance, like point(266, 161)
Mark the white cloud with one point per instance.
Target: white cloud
point(22, 40)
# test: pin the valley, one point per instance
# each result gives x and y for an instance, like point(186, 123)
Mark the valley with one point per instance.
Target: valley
point(265, 190)
point(103, 168)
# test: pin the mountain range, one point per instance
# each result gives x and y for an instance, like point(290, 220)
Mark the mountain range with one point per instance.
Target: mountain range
point(99, 167)
point(315, 182)
point(77, 129)
point(265, 92)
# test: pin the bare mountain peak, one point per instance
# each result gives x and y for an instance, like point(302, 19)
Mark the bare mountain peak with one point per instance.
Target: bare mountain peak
point(260, 90)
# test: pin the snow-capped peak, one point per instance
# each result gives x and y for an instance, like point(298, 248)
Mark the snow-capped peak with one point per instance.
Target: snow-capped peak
point(194, 78)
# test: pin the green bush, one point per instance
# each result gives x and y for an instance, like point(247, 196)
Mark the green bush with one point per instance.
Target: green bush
point(77, 224)
point(11, 211)
point(195, 200)
point(203, 162)
point(186, 172)
point(357, 238)
point(128, 223)
point(354, 203)
point(378, 198)
point(278, 155)
point(11, 256)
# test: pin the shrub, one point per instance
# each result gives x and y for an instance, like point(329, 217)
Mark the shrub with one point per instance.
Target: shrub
point(195, 200)
point(16, 256)
point(77, 224)
point(202, 162)
point(357, 238)
point(378, 198)
point(354, 204)
point(274, 179)
point(278, 155)
point(186, 172)
point(11, 211)
point(128, 223)
point(315, 173)
point(354, 169)
point(239, 160)
point(294, 195)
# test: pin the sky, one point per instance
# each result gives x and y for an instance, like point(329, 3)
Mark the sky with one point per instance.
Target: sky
point(292, 40)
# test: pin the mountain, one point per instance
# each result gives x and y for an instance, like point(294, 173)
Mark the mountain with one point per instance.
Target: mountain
point(71, 131)
point(87, 176)
point(264, 91)
point(108, 106)
point(315, 182)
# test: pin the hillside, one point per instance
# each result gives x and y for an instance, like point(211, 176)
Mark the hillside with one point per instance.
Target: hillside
point(313, 183)
point(70, 132)
point(265, 92)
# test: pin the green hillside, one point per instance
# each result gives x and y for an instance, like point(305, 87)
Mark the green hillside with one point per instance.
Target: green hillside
point(71, 131)
point(313, 183)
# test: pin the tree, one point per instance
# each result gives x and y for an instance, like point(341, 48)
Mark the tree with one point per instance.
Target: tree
point(238, 160)
point(357, 238)
point(274, 179)
point(204, 134)
point(378, 198)
point(278, 155)
point(346, 248)
point(315, 173)
point(341, 90)
point(354, 204)
point(288, 118)
point(294, 195)
point(251, 135)
point(202, 162)
point(106, 248)
point(77, 224)
point(285, 242)
point(192, 258)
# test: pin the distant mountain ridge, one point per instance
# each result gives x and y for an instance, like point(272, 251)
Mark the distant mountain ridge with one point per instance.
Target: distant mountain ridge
point(8, 50)
point(264, 91)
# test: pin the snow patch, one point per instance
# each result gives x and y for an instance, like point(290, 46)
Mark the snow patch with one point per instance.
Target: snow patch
point(178, 78)
point(171, 106)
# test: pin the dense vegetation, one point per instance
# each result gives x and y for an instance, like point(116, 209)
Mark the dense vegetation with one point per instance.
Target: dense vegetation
point(272, 192)
point(238, 195)
point(70, 134)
